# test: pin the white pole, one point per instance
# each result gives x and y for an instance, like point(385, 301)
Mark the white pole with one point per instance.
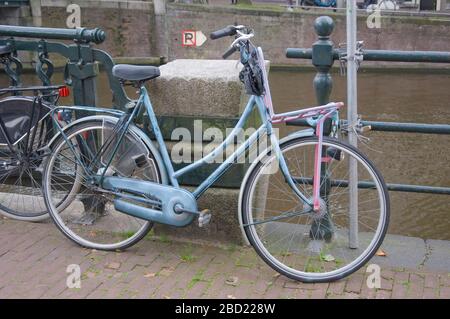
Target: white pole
point(352, 114)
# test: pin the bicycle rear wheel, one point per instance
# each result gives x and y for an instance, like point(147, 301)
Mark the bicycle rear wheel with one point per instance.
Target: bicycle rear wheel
point(85, 213)
point(303, 244)
point(21, 165)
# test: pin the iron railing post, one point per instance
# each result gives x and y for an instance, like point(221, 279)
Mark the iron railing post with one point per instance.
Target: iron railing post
point(322, 59)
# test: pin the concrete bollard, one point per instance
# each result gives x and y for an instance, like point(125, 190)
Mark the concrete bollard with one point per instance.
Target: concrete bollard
point(189, 91)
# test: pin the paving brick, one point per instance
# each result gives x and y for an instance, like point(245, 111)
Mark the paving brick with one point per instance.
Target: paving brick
point(337, 287)
point(416, 286)
point(444, 279)
point(431, 281)
point(274, 292)
point(300, 294)
point(34, 260)
point(366, 291)
point(386, 284)
point(98, 293)
point(387, 274)
point(318, 293)
point(259, 288)
point(197, 291)
point(354, 283)
point(430, 293)
point(383, 294)
point(444, 292)
point(399, 291)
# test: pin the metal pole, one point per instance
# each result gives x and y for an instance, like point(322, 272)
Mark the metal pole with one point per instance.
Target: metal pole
point(352, 111)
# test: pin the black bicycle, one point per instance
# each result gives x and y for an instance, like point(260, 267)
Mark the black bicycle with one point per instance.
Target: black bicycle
point(25, 130)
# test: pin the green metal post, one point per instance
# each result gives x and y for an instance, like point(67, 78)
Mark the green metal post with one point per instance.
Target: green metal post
point(83, 71)
point(322, 59)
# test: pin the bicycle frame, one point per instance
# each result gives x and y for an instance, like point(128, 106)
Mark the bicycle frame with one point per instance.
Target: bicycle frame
point(266, 128)
point(267, 116)
point(323, 112)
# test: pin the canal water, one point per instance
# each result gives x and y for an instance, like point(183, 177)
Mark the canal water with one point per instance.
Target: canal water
point(420, 159)
point(406, 158)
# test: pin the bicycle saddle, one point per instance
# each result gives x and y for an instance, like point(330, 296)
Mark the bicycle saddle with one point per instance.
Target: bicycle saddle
point(135, 72)
point(5, 50)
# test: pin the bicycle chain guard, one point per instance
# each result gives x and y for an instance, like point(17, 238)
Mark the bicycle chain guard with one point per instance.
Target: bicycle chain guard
point(169, 196)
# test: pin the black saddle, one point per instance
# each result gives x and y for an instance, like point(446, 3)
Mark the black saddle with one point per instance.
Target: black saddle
point(5, 50)
point(135, 72)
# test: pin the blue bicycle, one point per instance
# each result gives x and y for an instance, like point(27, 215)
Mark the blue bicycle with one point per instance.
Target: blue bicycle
point(106, 182)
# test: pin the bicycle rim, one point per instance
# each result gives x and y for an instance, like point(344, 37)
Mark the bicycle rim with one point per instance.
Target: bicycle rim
point(89, 217)
point(314, 246)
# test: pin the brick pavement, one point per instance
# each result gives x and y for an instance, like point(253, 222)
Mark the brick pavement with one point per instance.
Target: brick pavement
point(34, 260)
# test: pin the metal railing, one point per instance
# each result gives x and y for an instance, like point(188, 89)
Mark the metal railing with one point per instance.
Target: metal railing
point(323, 54)
point(81, 68)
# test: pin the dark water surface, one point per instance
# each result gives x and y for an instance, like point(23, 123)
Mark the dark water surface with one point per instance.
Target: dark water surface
point(402, 157)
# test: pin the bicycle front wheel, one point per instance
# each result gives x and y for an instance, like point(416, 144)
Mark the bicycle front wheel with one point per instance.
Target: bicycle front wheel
point(315, 246)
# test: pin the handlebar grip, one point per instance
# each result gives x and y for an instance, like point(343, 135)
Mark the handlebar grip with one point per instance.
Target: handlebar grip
point(229, 52)
point(227, 31)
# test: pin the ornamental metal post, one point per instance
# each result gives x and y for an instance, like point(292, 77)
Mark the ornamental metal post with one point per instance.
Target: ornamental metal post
point(83, 71)
point(322, 59)
point(81, 67)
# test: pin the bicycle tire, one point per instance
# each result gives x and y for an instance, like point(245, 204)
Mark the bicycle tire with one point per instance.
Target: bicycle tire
point(55, 212)
point(307, 275)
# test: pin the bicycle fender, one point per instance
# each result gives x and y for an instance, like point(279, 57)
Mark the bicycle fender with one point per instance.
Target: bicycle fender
point(147, 141)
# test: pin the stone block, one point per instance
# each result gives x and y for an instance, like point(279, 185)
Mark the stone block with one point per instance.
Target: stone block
point(198, 88)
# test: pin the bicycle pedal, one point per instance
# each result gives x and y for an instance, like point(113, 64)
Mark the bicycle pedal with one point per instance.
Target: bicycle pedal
point(204, 218)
